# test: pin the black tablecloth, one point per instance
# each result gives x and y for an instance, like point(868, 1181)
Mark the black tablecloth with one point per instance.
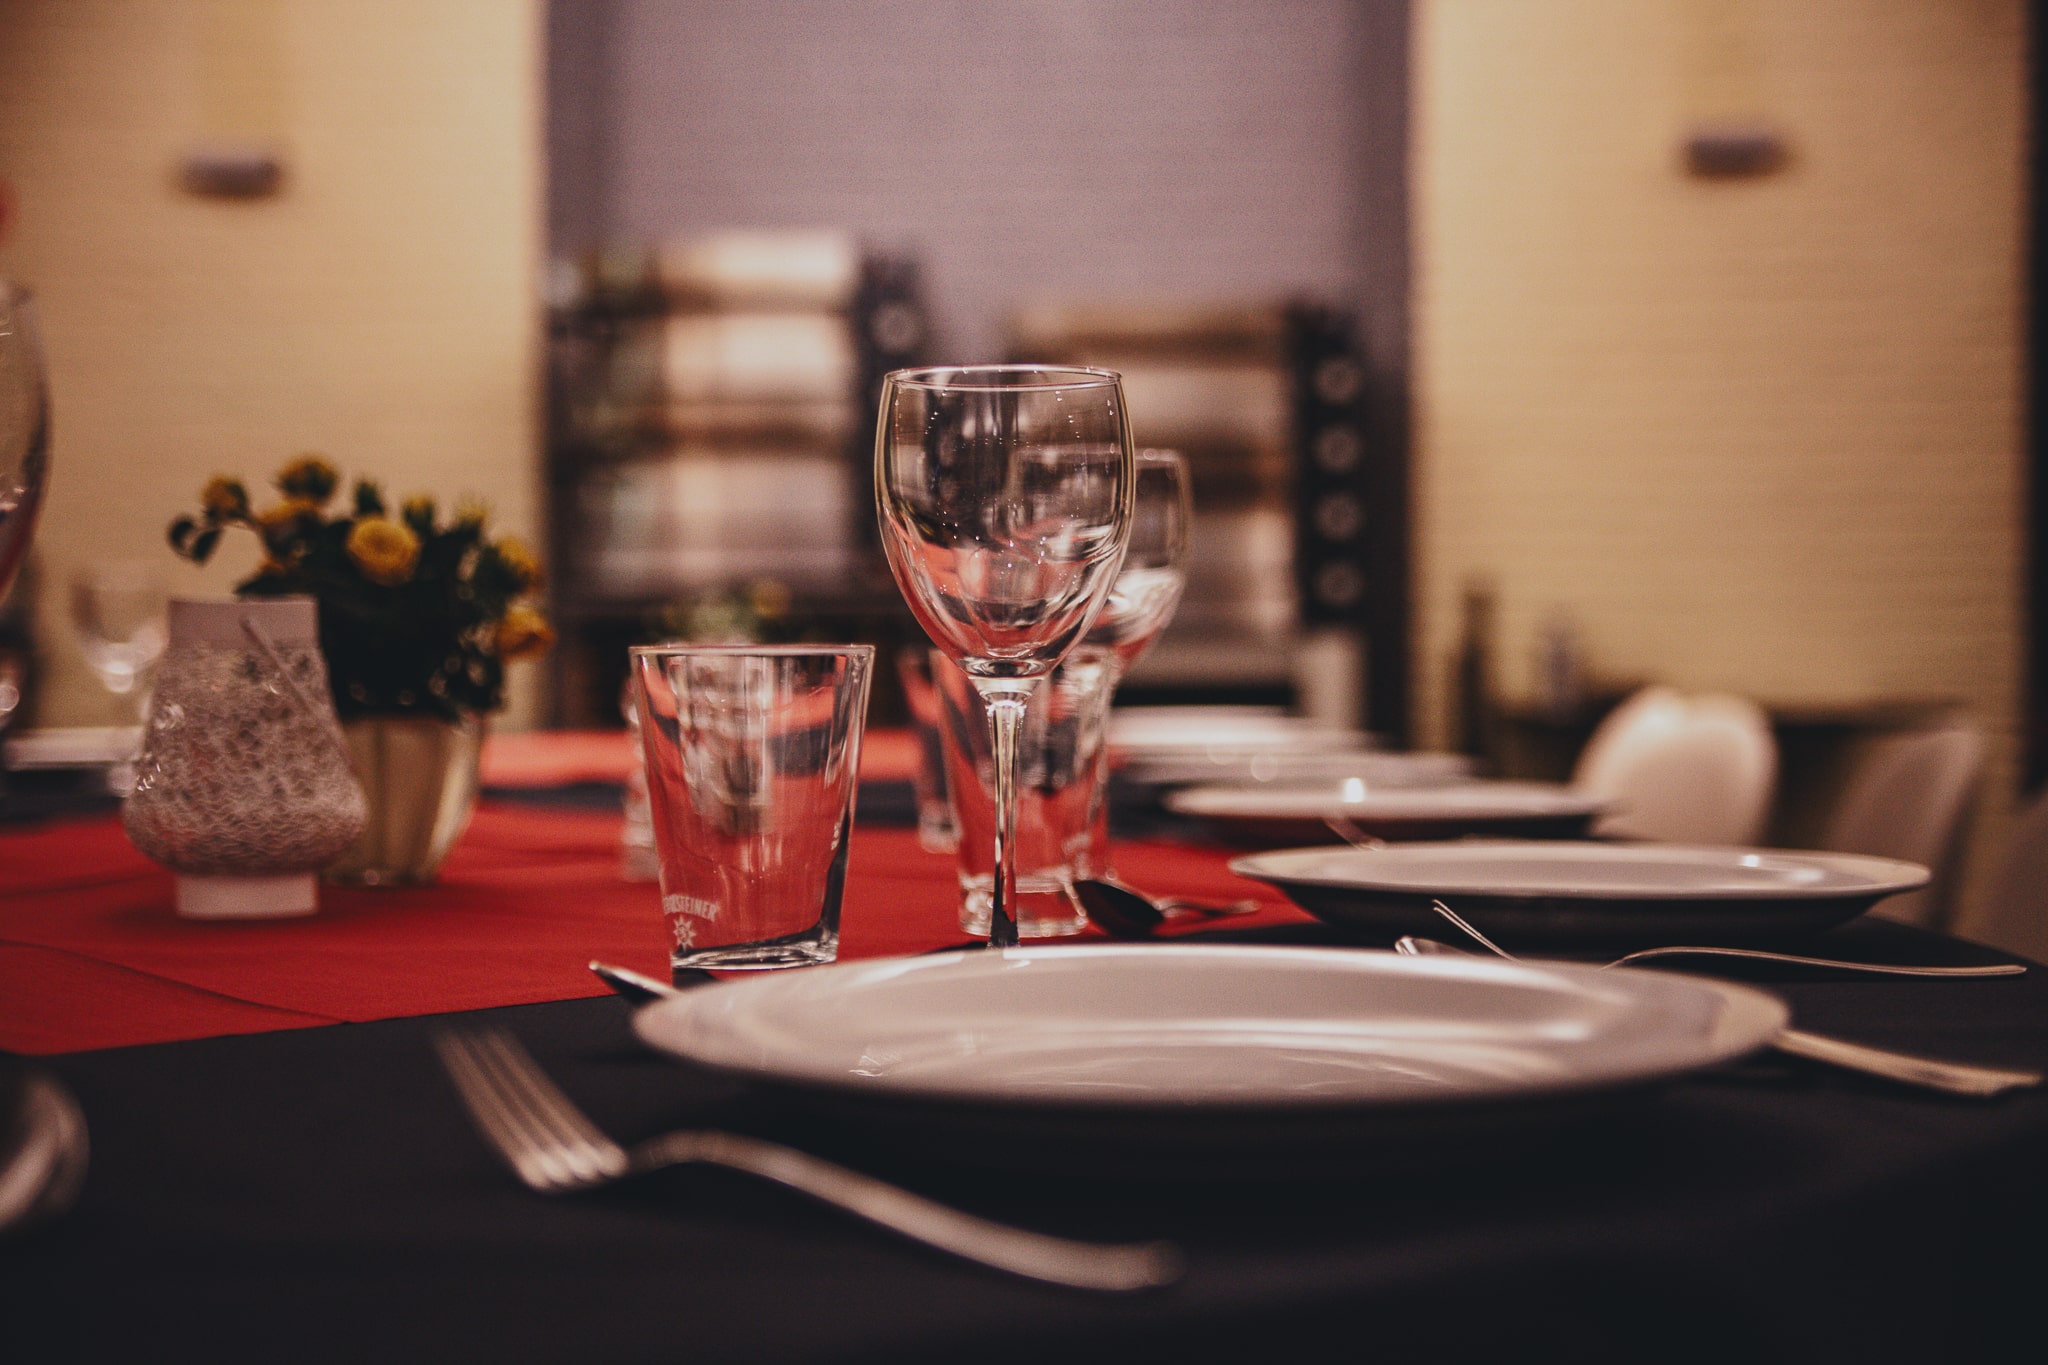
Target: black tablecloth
point(319, 1195)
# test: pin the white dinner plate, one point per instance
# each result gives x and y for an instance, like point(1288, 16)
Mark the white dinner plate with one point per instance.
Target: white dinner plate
point(1184, 1044)
point(1182, 727)
point(1190, 743)
point(1639, 894)
point(1294, 814)
point(92, 746)
point(1279, 768)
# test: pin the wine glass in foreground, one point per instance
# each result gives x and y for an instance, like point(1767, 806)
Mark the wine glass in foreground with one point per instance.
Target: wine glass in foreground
point(1005, 497)
point(24, 429)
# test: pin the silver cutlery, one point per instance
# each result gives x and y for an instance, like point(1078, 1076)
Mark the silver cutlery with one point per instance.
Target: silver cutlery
point(1955, 1078)
point(43, 1153)
point(1358, 838)
point(1831, 964)
point(641, 990)
point(1126, 912)
point(555, 1149)
point(1749, 954)
point(1344, 828)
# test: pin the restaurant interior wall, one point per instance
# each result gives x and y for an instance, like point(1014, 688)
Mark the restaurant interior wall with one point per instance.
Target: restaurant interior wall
point(1162, 155)
point(1760, 432)
point(1085, 150)
point(382, 307)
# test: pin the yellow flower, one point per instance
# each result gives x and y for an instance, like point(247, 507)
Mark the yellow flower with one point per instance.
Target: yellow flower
point(280, 521)
point(386, 551)
point(471, 513)
point(419, 510)
point(224, 499)
point(523, 633)
point(309, 477)
point(519, 562)
point(768, 598)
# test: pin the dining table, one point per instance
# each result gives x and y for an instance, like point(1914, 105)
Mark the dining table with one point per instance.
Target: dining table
point(280, 1169)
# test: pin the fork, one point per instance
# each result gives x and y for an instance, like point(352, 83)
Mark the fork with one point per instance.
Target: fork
point(1748, 954)
point(1955, 1078)
point(555, 1149)
point(1358, 838)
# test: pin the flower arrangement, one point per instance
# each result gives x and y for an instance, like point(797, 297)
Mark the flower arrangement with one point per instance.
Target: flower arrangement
point(758, 613)
point(415, 617)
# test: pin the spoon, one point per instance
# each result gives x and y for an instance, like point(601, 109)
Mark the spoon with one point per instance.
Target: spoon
point(1126, 912)
point(1954, 1078)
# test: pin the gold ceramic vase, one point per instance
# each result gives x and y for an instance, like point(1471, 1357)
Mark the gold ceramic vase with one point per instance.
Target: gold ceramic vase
point(420, 776)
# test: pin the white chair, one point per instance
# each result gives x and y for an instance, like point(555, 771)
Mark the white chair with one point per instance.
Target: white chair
point(1909, 797)
point(2014, 912)
point(1682, 769)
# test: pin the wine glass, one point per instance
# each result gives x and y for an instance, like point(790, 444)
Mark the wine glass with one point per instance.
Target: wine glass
point(119, 608)
point(1148, 589)
point(24, 429)
point(1005, 496)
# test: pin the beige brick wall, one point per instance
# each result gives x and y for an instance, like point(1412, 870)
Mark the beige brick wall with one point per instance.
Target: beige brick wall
point(383, 308)
point(1757, 434)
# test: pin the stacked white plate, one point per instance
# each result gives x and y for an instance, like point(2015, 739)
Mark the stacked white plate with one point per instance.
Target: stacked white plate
point(1282, 813)
point(1176, 744)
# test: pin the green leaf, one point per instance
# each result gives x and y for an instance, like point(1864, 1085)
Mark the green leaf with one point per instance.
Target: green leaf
point(418, 514)
point(369, 499)
point(202, 546)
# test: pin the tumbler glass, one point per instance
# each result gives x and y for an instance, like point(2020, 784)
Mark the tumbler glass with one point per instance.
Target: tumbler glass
point(753, 753)
point(916, 667)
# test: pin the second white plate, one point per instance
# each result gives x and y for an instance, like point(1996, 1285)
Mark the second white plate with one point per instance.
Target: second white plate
point(1639, 894)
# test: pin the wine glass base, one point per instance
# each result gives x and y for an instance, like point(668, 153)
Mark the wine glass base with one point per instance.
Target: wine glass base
point(1045, 908)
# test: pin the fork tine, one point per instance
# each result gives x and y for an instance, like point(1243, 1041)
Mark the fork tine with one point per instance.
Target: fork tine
point(513, 1140)
point(589, 1154)
point(515, 1066)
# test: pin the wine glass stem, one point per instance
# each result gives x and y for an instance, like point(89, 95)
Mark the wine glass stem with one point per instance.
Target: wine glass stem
point(1006, 719)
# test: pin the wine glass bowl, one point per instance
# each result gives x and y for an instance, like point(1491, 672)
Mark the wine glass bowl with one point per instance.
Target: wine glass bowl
point(118, 608)
point(1005, 497)
point(1148, 589)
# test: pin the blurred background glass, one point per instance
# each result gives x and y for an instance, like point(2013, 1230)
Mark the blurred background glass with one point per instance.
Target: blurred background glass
point(24, 472)
point(119, 610)
point(24, 430)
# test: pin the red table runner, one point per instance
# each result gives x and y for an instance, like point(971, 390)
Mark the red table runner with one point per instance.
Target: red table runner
point(92, 954)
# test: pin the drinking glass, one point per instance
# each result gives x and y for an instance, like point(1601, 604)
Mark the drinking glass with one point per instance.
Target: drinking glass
point(1148, 588)
point(1062, 824)
point(24, 429)
point(119, 609)
point(938, 831)
point(1004, 494)
point(753, 756)
point(638, 860)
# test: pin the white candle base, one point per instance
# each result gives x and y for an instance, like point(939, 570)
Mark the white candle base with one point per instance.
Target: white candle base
point(248, 897)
